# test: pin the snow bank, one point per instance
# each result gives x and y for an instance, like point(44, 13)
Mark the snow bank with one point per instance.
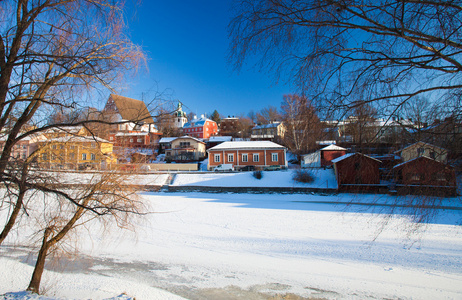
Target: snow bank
point(323, 179)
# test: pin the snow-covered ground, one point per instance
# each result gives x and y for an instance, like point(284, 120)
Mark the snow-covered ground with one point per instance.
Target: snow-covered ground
point(323, 179)
point(247, 246)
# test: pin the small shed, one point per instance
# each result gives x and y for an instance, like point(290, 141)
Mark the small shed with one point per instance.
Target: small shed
point(356, 171)
point(322, 157)
point(426, 172)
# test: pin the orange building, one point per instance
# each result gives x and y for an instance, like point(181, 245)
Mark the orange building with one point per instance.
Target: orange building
point(260, 154)
point(202, 128)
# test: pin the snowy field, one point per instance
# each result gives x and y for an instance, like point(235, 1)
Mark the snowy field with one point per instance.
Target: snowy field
point(322, 179)
point(247, 246)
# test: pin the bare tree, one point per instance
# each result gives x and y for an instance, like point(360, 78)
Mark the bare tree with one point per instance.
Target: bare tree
point(303, 126)
point(52, 54)
point(330, 49)
point(103, 197)
point(268, 115)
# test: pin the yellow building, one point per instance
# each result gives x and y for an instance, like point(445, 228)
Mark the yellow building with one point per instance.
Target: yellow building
point(76, 152)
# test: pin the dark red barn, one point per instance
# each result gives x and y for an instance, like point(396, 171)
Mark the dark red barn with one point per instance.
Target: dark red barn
point(426, 172)
point(356, 171)
point(330, 153)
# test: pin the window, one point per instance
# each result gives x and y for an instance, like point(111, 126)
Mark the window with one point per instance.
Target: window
point(274, 157)
point(71, 155)
point(93, 156)
point(256, 157)
point(245, 157)
point(131, 140)
point(216, 157)
point(61, 146)
point(111, 138)
point(139, 140)
point(84, 156)
point(420, 151)
point(93, 145)
point(71, 147)
point(24, 156)
point(231, 157)
point(44, 156)
point(53, 146)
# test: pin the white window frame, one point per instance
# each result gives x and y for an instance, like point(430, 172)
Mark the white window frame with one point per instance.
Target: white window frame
point(230, 157)
point(274, 157)
point(256, 157)
point(216, 157)
point(245, 157)
point(139, 140)
point(92, 156)
point(84, 156)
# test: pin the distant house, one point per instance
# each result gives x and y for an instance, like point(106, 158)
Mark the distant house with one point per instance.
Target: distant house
point(24, 147)
point(62, 131)
point(165, 143)
point(185, 148)
point(136, 139)
point(268, 131)
point(322, 157)
point(217, 139)
point(229, 126)
point(426, 172)
point(260, 154)
point(424, 149)
point(72, 152)
point(355, 171)
point(131, 114)
point(202, 128)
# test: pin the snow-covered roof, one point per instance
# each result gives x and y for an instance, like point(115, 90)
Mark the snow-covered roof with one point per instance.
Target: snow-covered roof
point(132, 133)
point(333, 148)
point(272, 125)
point(188, 137)
point(78, 139)
point(336, 160)
point(197, 122)
point(167, 140)
point(247, 145)
point(420, 157)
point(217, 138)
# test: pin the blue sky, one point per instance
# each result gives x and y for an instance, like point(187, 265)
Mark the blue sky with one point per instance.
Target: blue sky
point(187, 43)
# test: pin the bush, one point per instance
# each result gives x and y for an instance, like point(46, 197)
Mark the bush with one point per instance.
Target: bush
point(303, 176)
point(257, 174)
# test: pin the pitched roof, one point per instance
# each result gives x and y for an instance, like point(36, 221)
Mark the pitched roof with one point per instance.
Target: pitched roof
point(421, 143)
point(167, 139)
point(332, 148)
point(271, 125)
point(423, 157)
point(336, 160)
point(188, 137)
point(247, 145)
point(132, 109)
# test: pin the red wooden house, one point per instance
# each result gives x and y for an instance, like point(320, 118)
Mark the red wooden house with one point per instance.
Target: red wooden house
point(425, 175)
point(260, 154)
point(356, 171)
point(201, 128)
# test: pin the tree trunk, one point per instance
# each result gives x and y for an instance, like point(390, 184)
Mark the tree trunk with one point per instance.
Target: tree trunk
point(14, 215)
point(17, 206)
point(34, 284)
